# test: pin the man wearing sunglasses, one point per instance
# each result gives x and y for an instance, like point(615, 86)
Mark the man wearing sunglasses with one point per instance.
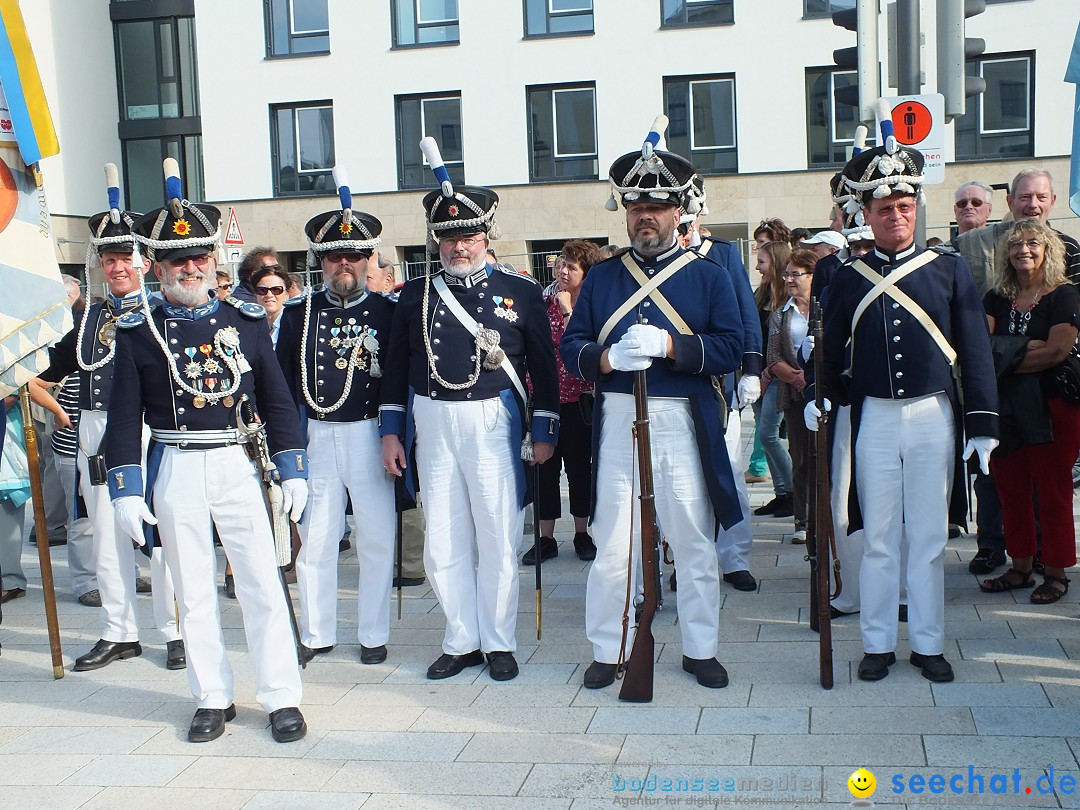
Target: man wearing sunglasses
point(974, 202)
point(332, 348)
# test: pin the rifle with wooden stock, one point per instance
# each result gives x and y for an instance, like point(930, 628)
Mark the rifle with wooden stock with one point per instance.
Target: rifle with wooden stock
point(819, 536)
point(637, 682)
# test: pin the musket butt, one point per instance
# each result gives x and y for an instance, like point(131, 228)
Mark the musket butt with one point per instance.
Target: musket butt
point(58, 671)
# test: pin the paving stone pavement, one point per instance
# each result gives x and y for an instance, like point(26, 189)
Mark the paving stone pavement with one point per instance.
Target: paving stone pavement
point(384, 736)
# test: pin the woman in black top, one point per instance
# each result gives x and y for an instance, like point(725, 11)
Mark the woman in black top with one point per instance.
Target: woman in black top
point(1033, 314)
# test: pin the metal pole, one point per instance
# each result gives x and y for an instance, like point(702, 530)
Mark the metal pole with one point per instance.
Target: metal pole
point(909, 71)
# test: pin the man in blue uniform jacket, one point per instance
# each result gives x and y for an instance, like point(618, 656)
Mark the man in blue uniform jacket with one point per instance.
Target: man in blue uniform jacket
point(685, 332)
point(462, 341)
point(332, 348)
point(916, 326)
point(185, 369)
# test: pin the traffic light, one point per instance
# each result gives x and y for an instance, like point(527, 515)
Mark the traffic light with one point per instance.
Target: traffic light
point(954, 49)
point(863, 58)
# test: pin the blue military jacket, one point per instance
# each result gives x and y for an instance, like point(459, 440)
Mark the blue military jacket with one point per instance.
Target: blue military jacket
point(147, 391)
point(725, 254)
point(335, 327)
point(95, 387)
point(497, 299)
point(894, 357)
point(705, 300)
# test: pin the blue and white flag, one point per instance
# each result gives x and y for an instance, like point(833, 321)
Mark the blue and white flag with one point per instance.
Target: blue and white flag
point(1072, 74)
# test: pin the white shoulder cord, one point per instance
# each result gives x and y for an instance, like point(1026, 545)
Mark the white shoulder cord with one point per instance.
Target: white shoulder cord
point(78, 346)
point(353, 357)
point(473, 377)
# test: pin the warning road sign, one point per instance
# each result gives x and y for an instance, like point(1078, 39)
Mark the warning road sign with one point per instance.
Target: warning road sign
point(919, 122)
point(232, 233)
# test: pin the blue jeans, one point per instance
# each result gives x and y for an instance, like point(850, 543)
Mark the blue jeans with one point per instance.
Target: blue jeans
point(768, 424)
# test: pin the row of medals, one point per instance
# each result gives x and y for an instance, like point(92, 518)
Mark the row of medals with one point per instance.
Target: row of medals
point(345, 336)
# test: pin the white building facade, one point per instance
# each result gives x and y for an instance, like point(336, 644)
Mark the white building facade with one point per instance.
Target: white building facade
point(260, 98)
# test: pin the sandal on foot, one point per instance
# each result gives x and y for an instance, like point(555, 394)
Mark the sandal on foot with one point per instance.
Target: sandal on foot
point(1008, 582)
point(1047, 594)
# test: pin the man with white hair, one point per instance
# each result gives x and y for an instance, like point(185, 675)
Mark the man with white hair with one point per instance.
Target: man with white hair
point(973, 203)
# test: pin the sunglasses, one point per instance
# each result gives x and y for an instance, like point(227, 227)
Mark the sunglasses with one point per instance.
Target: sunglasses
point(974, 202)
point(275, 291)
point(352, 258)
point(224, 286)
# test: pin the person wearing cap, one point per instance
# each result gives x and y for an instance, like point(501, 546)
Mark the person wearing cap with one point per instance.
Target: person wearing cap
point(916, 327)
point(683, 334)
point(89, 351)
point(463, 339)
point(733, 546)
point(332, 349)
point(189, 368)
point(824, 243)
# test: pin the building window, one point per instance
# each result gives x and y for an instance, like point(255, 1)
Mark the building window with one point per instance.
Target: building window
point(414, 261)
point(557, 17)
point(157, 68)
point(297, 27)
point(302, 143)
point(701, 121)
point(830, 126)
point(677, 13)
point(418, 117)
point(1000, 122)
point(562, 131)
point(824, 8)
point(144, 186)
point(424, 22)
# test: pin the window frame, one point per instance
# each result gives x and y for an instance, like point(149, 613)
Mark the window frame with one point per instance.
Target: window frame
point(275, 146)
point(293, 34)
point(550, 13)
point(730, 81)
point(1028, 57)
point(822, 15)
point(182, 83)
point(551, 90)
point(686, 23)
point(696, 152)
point(418, 25)
point(830, 123)
point(423, 99)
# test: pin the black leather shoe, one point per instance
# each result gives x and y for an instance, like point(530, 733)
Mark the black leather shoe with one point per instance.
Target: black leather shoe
point(708, 671)
point(954, 531)
point(308, 653)
point(105, 652)
point(143, 585)
point(584, 546)
point(934, 667)
point(673, 582)
point(209, 724)
point(11, 593)
point(901, 614)
point(986, 561)
point(176, 656)
point(372, 655)
point(770, 507)
point(548, 549)
point(599, 675)
point(502, 666)
point(287, 725)
point(786, 508)
point(91, 598)
point(407, 582)
point(875, 666)
point(741, 580)
point(344, 545)
point(447, 665)
point(230, 586)
point(836, 613)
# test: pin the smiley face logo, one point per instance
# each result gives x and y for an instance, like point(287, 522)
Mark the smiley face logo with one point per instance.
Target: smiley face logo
point(861, 783)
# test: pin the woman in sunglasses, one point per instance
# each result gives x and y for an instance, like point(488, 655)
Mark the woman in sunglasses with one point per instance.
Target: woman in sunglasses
point(271, 291)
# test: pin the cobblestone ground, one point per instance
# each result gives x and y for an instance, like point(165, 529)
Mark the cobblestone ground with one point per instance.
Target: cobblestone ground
point(1006, 732)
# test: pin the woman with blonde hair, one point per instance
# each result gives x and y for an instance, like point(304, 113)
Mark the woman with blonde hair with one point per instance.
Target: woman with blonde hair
point(1034, 315)
point(771, 295)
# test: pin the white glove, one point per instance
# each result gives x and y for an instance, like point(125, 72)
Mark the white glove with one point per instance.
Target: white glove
point(651, 341)
point(984, 446)
point(811, 414)
point(621, 358)
point(749, 389)
point(294, 492)
point(131, 512)
point(806, 348)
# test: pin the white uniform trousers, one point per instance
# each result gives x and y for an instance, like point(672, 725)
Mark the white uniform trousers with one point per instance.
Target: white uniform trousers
point(114, 555)
point(733, 546)
point(904, 463)
point(346, 456)
point(684, 510)
point(474, 519)
point(193, 488)
point(80, 533)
